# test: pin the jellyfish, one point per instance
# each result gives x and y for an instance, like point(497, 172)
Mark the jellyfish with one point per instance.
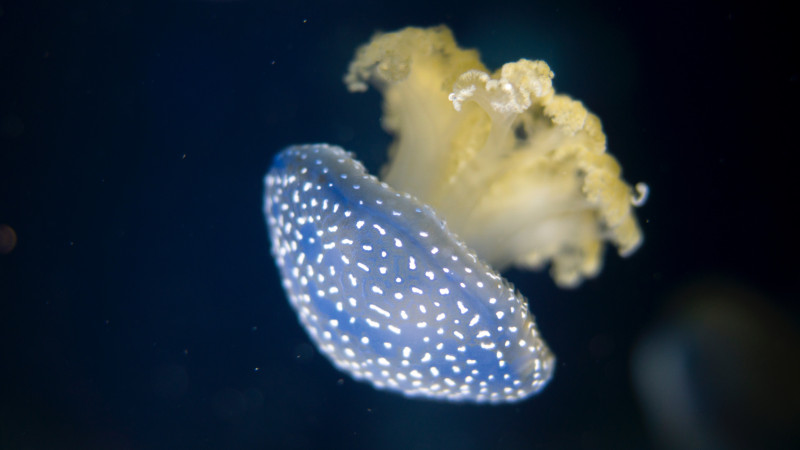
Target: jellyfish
point(397, 280)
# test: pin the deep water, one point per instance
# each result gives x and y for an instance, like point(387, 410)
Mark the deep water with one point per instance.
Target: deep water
point(140, 307)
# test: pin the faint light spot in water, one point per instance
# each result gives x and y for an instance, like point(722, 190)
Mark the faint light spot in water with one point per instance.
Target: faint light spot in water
point(8, 239)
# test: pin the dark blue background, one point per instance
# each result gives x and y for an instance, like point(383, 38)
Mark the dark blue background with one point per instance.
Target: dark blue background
point(141, 308)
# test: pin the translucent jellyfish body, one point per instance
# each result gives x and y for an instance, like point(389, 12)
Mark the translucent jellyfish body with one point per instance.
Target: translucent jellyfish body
point(397, 281)
point(388, 293)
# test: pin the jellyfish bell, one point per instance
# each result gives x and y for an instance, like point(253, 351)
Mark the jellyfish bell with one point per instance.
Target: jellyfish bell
point(396, 281)
point(388, 293)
